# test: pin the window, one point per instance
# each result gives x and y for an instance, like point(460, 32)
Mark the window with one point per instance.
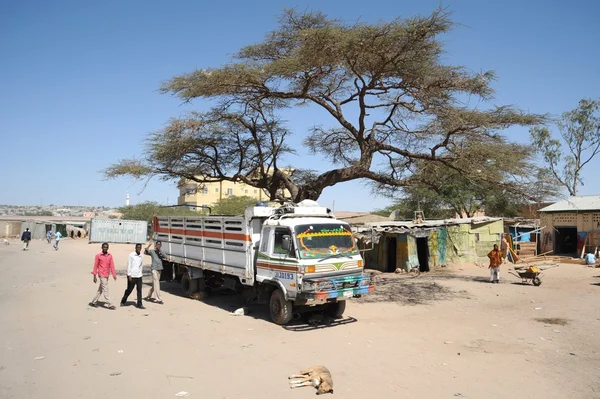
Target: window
point(277, 245)
point(264, 243)
point(217, 190)
point(255, 191)
point(476, 237)
point(246, 191)
point(204, 190)
point(230, 191)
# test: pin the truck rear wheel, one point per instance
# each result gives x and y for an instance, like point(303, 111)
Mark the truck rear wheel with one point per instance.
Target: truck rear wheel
point(281, 310)
point(336, 309)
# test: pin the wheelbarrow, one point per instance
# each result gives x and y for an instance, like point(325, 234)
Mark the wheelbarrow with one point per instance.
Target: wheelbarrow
point(528, 276)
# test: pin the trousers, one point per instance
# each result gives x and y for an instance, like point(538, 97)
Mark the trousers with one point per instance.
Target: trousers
point(155, 285)
point(102, 289)
point(495, 273)
point(137, 283)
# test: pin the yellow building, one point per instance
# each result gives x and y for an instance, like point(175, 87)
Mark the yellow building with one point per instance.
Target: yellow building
point(198, 194)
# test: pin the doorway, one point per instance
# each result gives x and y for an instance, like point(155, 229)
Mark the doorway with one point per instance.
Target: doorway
point(391, 254)
point(565, 240)
point(423, 254)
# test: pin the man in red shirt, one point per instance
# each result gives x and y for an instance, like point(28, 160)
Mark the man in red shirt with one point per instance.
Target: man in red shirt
point(103, 267)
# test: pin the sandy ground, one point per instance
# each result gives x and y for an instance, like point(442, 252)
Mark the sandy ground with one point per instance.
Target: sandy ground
point(443, 335)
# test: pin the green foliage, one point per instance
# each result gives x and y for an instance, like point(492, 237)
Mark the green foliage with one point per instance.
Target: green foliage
point(232, 205)
point(443, 192)
point(580, 133)
point(147, 210)
point(391, 101)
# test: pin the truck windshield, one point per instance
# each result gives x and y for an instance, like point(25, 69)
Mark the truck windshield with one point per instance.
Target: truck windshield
point(317, 241)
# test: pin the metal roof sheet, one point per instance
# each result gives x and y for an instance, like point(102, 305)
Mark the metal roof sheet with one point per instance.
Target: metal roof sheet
point(575, 204)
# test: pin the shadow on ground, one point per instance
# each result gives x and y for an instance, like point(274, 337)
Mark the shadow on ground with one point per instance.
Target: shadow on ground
point(415, 290)
point(224, 300)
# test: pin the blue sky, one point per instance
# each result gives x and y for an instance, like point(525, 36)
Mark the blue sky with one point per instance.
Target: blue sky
point(79, 79)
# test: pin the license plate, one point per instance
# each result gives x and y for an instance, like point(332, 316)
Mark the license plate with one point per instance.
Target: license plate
point(348, 294)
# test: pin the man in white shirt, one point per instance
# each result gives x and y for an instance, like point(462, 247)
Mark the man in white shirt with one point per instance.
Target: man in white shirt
point(57, 237)
point(134, 276)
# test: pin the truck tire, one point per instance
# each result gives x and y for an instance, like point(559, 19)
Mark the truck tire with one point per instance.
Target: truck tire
point(336, 309)
point(281, 310)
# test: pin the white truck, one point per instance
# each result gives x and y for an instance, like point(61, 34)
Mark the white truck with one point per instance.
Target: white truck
point(295, 257)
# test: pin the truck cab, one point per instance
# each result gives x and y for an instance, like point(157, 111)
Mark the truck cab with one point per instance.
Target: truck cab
point(313, 261)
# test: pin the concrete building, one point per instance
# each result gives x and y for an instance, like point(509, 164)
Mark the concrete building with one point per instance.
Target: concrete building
point(206, 194)
point(571, 226)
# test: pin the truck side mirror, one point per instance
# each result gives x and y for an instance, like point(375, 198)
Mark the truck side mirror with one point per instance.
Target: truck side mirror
point(286, 243)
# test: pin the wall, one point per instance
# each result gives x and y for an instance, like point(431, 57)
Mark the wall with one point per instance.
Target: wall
point(38, 229)
point(10, 229)
point(468, 243)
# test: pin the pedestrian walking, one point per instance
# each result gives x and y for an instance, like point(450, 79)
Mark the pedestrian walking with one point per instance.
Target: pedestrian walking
point(57, 237)
point(26, 237)
point(104, 266)
point(157, 266)
point(495, 256)
point(134, 276)
point(49, 236)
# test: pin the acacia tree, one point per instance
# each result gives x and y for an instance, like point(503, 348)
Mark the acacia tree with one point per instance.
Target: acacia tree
point(580, 131)
point(391, 100)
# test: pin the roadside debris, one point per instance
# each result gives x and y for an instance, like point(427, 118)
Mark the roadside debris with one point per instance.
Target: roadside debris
point(116, 373)
point(39, 358)
point(182, 394)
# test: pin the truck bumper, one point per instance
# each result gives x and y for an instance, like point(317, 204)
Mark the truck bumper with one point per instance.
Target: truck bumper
point(328, 289)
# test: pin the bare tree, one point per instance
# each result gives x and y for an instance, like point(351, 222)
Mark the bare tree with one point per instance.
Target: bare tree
point(580, 131)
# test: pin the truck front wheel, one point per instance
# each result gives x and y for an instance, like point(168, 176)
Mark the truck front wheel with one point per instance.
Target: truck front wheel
point(336, 309)
point(281, 310)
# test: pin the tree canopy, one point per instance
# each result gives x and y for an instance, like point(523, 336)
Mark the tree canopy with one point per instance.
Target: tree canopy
point(393, 104)
point(147, 210)
point(580, 131)
point(442, 192)
point(232, 205)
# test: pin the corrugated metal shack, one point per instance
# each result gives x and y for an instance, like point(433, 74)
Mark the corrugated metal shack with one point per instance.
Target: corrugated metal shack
point(429, 244)
point(14, 226)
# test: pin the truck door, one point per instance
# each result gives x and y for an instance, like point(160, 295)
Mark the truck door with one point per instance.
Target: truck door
point(286, 267)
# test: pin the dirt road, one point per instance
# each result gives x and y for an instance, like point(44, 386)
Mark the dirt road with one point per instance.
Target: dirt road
point(436, 336)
